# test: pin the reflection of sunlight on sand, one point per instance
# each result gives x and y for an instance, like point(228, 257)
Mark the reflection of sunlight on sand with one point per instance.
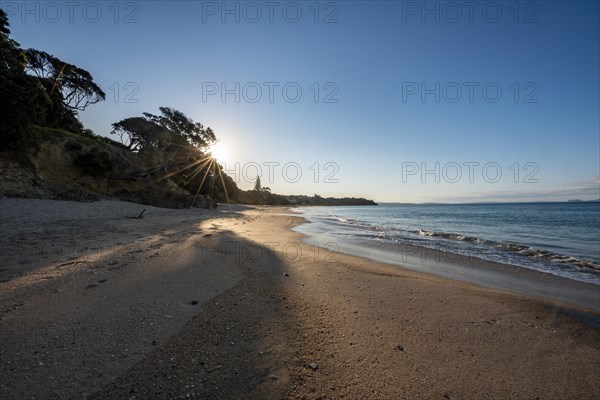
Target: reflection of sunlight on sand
point(110, 257)
point(151, 256)
point(111, 301)
point(92, 237)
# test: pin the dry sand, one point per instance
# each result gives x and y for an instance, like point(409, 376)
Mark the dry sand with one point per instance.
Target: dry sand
point(233, 304)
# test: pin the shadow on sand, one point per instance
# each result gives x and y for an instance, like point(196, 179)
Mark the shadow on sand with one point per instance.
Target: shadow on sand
point(236, 344)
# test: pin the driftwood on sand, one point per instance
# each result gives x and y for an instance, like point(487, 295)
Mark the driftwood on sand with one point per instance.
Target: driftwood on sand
point(139, 216)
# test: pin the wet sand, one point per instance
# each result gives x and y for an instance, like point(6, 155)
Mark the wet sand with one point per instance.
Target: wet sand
point(467, 268)
point(236, 305)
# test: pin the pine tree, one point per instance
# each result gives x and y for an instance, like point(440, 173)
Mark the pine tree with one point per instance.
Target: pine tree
point(257, 185)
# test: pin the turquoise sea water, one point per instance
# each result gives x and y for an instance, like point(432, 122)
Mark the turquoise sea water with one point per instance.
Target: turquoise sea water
point(562, 239)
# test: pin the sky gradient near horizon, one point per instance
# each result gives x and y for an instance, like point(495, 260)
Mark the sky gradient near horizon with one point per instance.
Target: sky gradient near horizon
point(394, 101)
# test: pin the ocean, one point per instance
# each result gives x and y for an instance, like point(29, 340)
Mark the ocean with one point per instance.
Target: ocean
point(561, 239)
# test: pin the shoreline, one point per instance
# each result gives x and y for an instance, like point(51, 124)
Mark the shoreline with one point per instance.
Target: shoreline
point(469, 269)
point(237, 305)
point(415, 226)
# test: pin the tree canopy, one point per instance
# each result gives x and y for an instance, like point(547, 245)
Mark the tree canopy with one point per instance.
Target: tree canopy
point(137, 133)
point(170, 131)
point(180, 143)
point(180, 124)
point(74, 85)
point(37, 88)
point(22, 100)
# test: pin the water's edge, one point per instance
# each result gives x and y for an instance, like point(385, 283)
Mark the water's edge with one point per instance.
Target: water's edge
point(459, 267)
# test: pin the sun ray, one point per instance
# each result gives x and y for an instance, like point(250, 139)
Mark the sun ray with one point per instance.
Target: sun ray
point(201, 183)
point(224, 186)
point(183, 169)
point(208, 161)
point(197, 171)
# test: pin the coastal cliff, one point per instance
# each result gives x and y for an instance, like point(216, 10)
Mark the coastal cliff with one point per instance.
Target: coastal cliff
point(72, 167)
point(69, 166)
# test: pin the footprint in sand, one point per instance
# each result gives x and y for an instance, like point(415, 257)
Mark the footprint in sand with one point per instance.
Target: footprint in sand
point(116, 267)
point(93, 285)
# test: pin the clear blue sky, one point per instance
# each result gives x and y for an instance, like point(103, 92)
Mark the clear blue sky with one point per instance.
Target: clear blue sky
point(375, 59)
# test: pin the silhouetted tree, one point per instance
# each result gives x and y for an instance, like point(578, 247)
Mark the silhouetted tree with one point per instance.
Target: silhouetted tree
point(22, 99)
point(257, 185)
point(179, 138)
point(193, 133)
point(74, 85)
point(138, 133)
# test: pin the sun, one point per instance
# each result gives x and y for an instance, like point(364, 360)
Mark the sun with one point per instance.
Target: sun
point(219, 152)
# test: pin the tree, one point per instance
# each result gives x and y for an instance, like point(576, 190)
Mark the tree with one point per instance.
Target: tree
point(257, 185)
point(22, 99)
point(180, 139)
point(138, 133)
point(184, 128)
point(74, 86)
point(37, 88)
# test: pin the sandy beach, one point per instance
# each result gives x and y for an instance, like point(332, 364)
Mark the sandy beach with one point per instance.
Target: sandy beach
point(232, 303)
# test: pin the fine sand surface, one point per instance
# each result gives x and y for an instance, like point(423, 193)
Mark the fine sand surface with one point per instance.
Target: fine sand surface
point(233, 304)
